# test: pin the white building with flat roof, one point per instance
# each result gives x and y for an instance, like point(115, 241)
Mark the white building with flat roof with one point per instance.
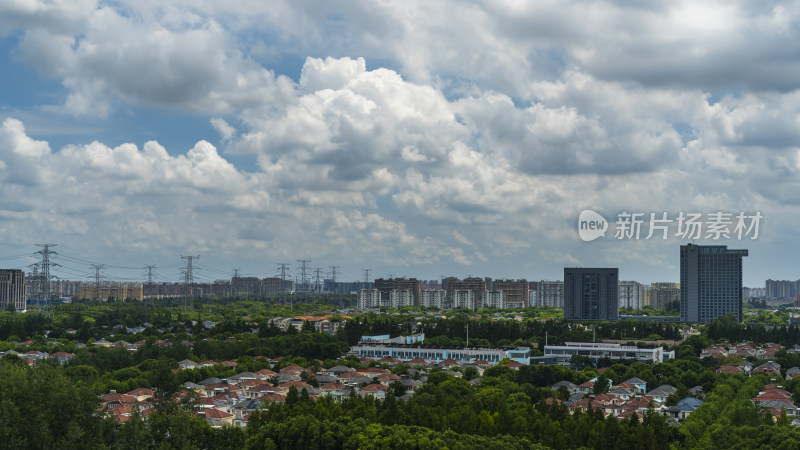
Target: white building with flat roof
point(433, 298)
point(596, 350)
point(369, 298)
point(631, 294)
point(464, 299)
point(408, 352)
point(494, 299)
point(399, 298)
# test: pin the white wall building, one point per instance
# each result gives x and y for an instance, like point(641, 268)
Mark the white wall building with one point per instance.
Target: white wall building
point(369, 298)
point(597, 350)
point(494, 299)
point(432, 298)
point(464, 299)
point(631, 295)
point(399, 298)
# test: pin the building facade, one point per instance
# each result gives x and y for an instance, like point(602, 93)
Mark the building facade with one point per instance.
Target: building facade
point(115, 291)
point(474, 284)
point(781, 288)
point(276, 286)
point(12, 289)
point(406, 349)
point(711, 282)
point(432, 298)
point(631, 294)
point(550, 293)
point(591, 293)
point(369, 298)
point(400, 298)
point(596, 350)
point(516, 292)
point(663, 293)
point(464, 299)
point(387, 285)
point(495, 299)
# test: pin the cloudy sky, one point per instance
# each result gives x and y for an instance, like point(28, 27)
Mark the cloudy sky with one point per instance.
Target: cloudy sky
point(412, 138)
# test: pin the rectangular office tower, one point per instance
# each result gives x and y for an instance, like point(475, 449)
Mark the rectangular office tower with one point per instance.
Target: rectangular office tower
point(12, 289)
point(591, 293)
point(711, 282)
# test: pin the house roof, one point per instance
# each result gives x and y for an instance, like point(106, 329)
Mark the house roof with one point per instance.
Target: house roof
point(664, 390)
point(140, 392)
point(340, 369)
point(729, 369)
point(296, 383)
point(418, 362)
point(686, 404)
point(118, 398)
point(569, 385)
point(388, 377)
point(211, 413)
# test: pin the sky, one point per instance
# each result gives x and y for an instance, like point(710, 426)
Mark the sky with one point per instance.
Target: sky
point(412, 138)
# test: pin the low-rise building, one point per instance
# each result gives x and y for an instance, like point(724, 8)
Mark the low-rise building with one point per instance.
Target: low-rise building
point(597, 350)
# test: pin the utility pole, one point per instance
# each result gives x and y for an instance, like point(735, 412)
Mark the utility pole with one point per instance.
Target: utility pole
point(188, 278)
point(44, 306)
point(96, 268)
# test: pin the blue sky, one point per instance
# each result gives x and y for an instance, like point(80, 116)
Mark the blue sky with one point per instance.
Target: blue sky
point(412, 138)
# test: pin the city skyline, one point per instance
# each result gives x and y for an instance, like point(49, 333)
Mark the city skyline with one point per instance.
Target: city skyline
point(411, 138)
point(71, 268)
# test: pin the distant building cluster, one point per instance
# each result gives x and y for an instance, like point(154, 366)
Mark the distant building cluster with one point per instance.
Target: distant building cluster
point(470, 293)
point(710, 286)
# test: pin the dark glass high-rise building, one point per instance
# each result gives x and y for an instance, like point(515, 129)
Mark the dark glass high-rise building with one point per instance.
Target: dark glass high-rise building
point(591, 293)
point(711, 282)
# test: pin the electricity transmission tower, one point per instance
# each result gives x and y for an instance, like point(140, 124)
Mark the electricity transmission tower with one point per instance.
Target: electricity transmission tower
point(43, 302)
point(283, 267)
point(303, 279)
point(97, 277)
point(150, 273)
point(188, 277)
point(366, 278)
point(317, 287)
point(333, 279)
